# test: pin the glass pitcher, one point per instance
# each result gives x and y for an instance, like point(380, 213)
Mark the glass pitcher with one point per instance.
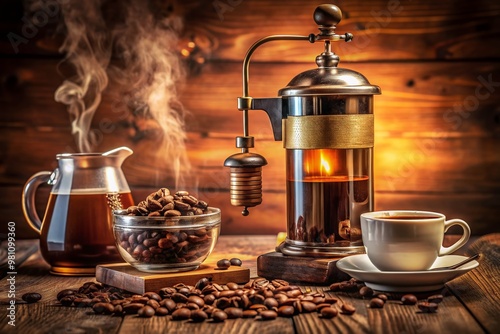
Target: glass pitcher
point(76, 232)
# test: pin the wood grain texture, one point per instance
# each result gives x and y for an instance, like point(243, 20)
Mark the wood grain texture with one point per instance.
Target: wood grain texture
point(420, 94)
point(305, 270)
point(472, 308)
point(126, 277)
point(483, 303)
point(382, 29)
point(135, 325)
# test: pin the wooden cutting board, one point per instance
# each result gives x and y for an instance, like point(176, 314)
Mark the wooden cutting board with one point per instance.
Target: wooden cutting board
point(310, 270)
point(124, 276)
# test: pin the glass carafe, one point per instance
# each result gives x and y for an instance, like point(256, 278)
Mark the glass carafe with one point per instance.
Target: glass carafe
point(76, 232)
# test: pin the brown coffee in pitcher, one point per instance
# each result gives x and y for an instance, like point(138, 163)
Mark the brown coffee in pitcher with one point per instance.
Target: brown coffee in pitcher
point(76, 232)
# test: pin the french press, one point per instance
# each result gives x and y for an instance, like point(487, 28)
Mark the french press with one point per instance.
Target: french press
point(324, 117)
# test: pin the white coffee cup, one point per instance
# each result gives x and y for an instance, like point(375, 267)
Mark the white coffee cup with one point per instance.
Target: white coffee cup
point(401, 240)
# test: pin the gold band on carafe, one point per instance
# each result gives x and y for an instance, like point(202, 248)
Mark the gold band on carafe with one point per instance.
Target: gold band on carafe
point(329, 131)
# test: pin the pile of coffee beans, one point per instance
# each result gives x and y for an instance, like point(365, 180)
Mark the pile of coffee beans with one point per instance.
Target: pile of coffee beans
point(168, 245)
point(378, 300)
point(259, 298)
point(163, 203)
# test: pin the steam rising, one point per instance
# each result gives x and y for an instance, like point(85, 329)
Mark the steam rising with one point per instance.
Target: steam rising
point(134, 44)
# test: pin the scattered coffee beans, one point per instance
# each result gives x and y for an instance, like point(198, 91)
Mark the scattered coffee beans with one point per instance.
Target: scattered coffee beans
point(382, 296)
point(259, 298)
point(223, 264)
point(366, 292)
point(409, 299)
point(348, 309)
point(436, 299)
point(427, 307)
point(31, 297)
point(376, 303)
point(328, 312)
point(236, 262)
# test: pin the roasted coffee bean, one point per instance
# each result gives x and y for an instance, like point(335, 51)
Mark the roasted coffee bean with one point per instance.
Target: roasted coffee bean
point(249, 314)
point(169, 304)
point(219, 316)
point(82, 302)
point(366, 292)
point(103, 308)
point(270, 303)
point(348, 286)
point(335, 287)
point(67, 301)
point(258, 307)
point(161, 311)
point(146, 312)
point(348, 309)
point(436, 299)
point(152, 295)
point(328, 312)
point(202, 282)
point(65, 293)
point(235, 262)
point(268, 315)
point(181, 314)
point(223, 264)
point(286, 311)
point(226, 293)
point(196, 300)
point(382, 296)
point(118, 309)
point(223, 303)
point(179, 298)
point(376, 303)
point(232, 286)
point(153, 303)
point(31, 297)
point(409, 299)
point(331, 300)
point(427, 307)
point(198, 316)
point(132, 308)
point(233, 312)
point(308, 307)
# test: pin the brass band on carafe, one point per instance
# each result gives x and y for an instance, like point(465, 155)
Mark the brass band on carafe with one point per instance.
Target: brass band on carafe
point(329, 131)
point(246, 186)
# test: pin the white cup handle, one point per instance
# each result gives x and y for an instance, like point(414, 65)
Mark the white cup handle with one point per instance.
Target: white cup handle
point(465, 236)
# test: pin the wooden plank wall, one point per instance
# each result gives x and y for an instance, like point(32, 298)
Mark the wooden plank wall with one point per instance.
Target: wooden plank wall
point(437, 121)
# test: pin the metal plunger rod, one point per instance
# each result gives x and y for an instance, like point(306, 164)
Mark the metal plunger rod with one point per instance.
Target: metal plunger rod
point(246, 63)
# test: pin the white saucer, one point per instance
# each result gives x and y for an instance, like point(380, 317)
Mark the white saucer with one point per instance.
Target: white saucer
point(361, 268)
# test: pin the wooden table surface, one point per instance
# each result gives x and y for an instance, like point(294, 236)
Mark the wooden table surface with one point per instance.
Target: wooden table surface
point(471, 303)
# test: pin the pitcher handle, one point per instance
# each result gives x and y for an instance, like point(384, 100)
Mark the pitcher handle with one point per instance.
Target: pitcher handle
point(28, 199)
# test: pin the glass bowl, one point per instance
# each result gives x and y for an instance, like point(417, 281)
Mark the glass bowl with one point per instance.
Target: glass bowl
point(166, 244)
